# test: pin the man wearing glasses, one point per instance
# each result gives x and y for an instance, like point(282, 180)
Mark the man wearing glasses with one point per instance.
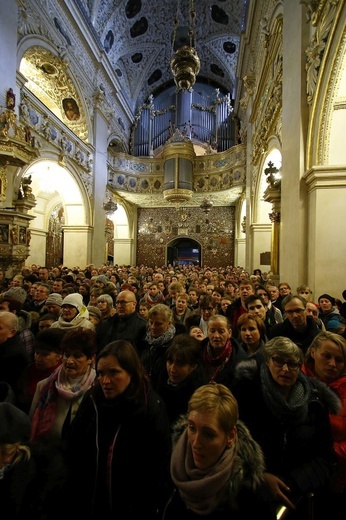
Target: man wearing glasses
point(297, 325)
point(125, 324)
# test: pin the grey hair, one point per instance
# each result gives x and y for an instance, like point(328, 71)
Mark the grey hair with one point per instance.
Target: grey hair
point(107, 298)
point(10, 319)
point(283, 347)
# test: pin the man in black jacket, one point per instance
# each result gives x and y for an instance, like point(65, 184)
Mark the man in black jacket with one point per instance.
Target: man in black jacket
point(125, 324)
point(297, 325)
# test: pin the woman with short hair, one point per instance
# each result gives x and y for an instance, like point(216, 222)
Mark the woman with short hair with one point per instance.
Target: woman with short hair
point(216, 466)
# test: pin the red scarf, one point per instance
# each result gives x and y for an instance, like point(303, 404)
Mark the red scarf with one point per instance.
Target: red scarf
point(214, 364)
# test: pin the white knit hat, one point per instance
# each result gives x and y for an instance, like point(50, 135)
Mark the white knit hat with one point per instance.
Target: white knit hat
point(74, 299)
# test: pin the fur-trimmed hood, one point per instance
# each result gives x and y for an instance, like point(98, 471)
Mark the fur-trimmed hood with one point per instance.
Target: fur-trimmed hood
point(249, 369)
point(249, 463)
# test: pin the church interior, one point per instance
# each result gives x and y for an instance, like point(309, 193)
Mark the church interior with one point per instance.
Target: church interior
point(193, 131)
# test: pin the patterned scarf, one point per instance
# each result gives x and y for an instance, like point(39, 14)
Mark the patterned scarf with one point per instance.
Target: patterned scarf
point(58, 384)
point(200, 489)
point(161, 340)
point(295, 408)
point(158, 298)
point(214, 364)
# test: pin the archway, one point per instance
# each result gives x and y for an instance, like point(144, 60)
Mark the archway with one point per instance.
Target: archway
point(62, 215)
point(183, 251)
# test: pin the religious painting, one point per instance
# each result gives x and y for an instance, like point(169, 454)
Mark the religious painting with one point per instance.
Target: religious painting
point(71, 109)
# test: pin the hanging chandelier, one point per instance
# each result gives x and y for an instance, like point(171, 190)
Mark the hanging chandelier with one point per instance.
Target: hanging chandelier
point(206, 205)
point(109, 206)
point(185, 63)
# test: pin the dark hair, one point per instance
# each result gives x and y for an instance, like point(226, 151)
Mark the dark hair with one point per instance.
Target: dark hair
point(50, 340)
point(252, 298)
point(13, 303)
point(291, 297)
point(262, 288)
point(129, 360)
point(185, 349)
point(47, 316)
point(208, 301)
point(80, 339)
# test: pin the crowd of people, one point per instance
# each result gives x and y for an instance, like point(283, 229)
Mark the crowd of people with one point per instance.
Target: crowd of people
point(170, 392)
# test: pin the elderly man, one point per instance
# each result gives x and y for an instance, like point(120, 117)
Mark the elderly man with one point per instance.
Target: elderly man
point(12, 301)
point(297, 325)
point(13, 357)
point(54, 303)
point(125, 324)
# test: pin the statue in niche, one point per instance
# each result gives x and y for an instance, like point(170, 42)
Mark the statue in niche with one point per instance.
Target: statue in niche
point(45, 128)
point(89, 162)
point(14, 235)
point(26, 188)
point(10, 99)
point(3, 233)
point(24, 110)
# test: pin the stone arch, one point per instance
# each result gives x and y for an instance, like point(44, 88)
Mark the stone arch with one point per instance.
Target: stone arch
point(53, 184)
point(261, 208)
point(325, 144)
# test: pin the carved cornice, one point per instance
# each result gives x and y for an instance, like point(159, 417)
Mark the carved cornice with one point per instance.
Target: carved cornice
point(322, 15)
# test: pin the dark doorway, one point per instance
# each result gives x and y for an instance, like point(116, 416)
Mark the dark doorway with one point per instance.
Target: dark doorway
point(184, 251)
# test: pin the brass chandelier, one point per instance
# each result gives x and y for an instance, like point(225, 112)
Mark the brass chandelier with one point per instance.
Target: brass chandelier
point(185, 63)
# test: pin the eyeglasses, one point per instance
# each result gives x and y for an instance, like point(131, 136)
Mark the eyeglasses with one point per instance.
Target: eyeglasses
point(207, 309)
point(123, 302)
point(280, 363)
point(294, 311)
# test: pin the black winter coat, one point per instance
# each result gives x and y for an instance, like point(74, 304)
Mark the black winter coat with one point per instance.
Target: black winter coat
point(135, 440)
point(131, 328)
point(299, 452)
point(302, 339)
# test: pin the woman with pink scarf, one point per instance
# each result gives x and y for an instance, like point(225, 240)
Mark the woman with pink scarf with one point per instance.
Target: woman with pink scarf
point(58, 397)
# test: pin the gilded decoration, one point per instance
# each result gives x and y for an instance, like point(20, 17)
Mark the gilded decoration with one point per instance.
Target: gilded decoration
point(48, 79)
point(220, 173)
point(214, 232)
point(322, 15)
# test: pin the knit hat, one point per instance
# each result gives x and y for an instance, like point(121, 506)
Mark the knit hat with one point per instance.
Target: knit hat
point(94, 311)
point(102, 278)
point(327, 297)
point(17, 293)
point(74, 299)
point(15, 425)
point(54, 299)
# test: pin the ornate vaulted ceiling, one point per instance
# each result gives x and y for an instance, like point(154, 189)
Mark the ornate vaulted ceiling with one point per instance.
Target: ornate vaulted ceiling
point(137, 37)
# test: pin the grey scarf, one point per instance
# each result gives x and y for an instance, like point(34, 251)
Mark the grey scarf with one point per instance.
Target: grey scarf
point(295, 408)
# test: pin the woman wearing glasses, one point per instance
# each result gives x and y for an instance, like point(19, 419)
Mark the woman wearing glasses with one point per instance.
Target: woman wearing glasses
point(287, 414)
